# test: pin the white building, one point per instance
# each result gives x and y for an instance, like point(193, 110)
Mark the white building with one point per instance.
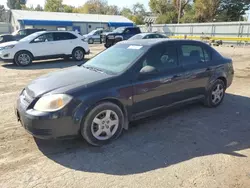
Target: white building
point(84, 23)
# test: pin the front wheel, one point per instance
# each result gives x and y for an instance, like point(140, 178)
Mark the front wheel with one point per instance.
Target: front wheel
point(23, 58)
point(78, 54)
point(216, 94)
point(91, 41)
point(103, 124)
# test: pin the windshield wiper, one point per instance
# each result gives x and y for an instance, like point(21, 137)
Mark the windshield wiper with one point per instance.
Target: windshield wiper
point(93, 69)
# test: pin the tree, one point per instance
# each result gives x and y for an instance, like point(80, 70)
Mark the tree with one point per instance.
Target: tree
point(112, 10)
point(15, 4)
point(2, 13)
point(68, 8)
point(126, 12)
point(39, 8)
point(139, 9)
point(159, 6)
point(184, 3)
point(206, 10)
point(233, 10)
point(94, 7)
point(53, 6)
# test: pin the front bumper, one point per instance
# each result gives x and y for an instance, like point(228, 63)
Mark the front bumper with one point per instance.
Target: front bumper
point(6, 55)
point(46, 125)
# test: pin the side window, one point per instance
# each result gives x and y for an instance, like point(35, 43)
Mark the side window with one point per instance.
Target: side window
point(44, 38)
point(207, 55)
point(63, 36)
point(22, 32)
point(191, 54)
point(128, 31)
point(162, 58)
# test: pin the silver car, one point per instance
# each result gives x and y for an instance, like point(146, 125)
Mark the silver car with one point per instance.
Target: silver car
point(93, 36)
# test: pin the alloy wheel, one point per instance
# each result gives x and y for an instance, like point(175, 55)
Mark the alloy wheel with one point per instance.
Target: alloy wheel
point(78, 54)
point(217, 93)
point(24, 59)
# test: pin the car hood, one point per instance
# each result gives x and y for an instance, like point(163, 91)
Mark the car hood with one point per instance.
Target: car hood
point(76, 76)
point(8, 43)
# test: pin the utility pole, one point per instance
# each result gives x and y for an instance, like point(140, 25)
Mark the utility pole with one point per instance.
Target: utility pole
point(179, 14)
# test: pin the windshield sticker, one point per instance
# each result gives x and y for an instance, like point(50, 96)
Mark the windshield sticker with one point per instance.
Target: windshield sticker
point(135, 47)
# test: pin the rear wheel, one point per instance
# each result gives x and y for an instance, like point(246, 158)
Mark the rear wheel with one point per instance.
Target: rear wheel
point(216, 94)
point(103, 124)
point(23, 58)
point(78, 54)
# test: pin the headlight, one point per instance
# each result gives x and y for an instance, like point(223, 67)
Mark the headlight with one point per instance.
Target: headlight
point(51, 103)
point(8, 47)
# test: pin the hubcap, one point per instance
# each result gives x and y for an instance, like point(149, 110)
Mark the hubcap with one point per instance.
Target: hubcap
point(78, 54)
point(105, 125)
point(24, 59)
point(217, 94)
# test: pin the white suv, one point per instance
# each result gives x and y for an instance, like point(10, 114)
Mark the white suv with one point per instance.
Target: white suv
point(44, 45)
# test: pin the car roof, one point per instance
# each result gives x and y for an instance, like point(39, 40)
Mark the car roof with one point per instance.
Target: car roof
point(42, 32)
point(144, 34)
point(152, 42)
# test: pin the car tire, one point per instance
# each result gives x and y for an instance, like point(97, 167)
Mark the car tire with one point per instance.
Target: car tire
point(78, 54)
point(107, 45)
point(215, 94)
point(103, 124)
point(23, 58)
point(91, 41)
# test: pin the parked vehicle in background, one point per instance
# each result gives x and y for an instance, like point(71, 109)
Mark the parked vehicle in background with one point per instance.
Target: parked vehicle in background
point(147, 36)
point(44, 45)
point(93, 36)
point(19, 34)
point(119, 34)
point(131, 80)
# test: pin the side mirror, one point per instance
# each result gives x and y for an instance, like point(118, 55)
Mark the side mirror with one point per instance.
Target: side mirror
point(148, 70)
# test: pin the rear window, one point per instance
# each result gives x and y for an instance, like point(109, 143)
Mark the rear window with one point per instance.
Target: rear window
point(63, 36)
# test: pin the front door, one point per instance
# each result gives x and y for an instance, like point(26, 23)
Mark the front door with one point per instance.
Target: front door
point(195, 61)
point(162, 88)
point(43, 45)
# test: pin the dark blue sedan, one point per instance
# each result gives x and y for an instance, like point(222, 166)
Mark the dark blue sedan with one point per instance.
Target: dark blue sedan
point(128, 81)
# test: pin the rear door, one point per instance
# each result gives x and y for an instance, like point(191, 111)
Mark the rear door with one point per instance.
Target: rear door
point(43, 45)
point(195, 59)
point(64, 42)
point(162, 88)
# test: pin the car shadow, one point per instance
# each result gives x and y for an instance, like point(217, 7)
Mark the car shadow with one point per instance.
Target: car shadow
point(162, 140)
point(46, 64)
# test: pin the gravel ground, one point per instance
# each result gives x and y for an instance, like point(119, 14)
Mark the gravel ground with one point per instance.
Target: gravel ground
point(188, 147)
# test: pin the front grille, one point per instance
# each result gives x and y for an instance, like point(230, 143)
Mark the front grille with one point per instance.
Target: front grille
point(25, 98)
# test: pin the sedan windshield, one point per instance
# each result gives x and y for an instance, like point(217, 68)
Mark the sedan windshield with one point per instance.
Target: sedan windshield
point(117, 58)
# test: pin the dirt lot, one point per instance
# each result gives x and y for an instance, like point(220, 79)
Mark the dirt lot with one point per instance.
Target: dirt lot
point(189, 147)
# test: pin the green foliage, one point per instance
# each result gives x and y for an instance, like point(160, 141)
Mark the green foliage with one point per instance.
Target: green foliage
point(53, 6)
point(15, 4)
point(233, 10)
point(68, 8)
point(170, 17)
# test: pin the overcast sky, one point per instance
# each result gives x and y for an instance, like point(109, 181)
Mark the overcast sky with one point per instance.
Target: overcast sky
point(120, 3)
